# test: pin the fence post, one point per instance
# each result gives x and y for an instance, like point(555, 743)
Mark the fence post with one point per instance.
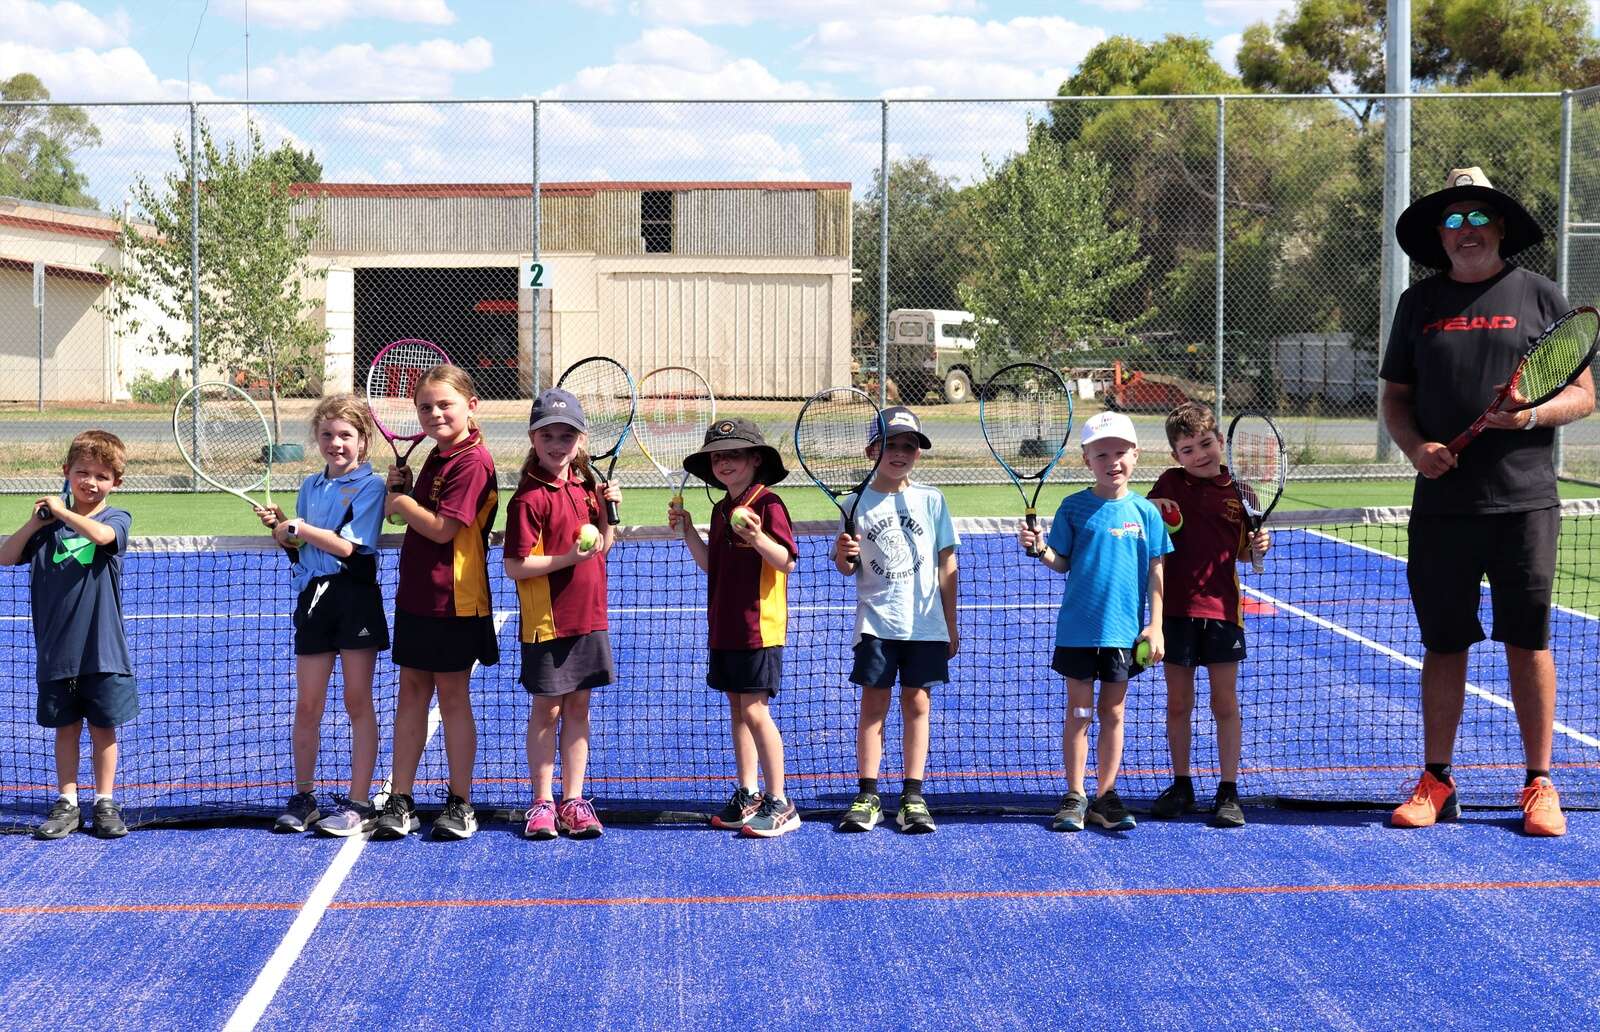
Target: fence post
point(535, 299)
point(1222, 243)
point(1563, 251)
point(1396, 267)
point(883, 258)
point(194, 268)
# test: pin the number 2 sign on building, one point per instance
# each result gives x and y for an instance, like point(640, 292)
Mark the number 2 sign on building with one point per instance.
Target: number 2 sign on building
point(535, 276)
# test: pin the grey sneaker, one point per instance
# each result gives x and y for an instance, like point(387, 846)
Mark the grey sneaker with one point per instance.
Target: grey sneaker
point(914, 818)
point(459, 821)
point(299, 813)
point(1227, 813)
point(1108, 812)
point(345, 819)
point(108, 819)
point(1069, 816)
point(63, 819)
point(398, 819)
point(775, 817)
point(741, 806)
point(866, 810)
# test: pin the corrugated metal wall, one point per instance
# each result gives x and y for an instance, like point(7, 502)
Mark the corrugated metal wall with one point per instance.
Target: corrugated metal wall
point(566, 223)
point(616, 223)
point(421, 225)
point(776, 223)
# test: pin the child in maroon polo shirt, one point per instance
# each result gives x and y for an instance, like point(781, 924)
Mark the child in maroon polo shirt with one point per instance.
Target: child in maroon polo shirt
point(1204, 619)
point(748, 559)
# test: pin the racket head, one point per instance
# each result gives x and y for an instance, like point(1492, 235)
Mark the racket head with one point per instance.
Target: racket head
point(392, 386)
point(1558, 357)
point(1025, 412)
point(675, 405)
point(605, 390)
point(830, 441)
point(224, 437)
point(1258, 462)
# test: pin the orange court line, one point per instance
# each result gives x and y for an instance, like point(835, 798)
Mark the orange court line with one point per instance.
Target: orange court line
point(951, 896)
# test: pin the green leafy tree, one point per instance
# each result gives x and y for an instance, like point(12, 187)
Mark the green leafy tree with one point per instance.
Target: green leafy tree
point(927, 244)
point(1050, 256)
point(38, 144)
point(295, 166)
point(253, 267)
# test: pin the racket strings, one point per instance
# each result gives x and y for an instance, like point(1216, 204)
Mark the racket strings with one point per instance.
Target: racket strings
point(1258, 463)
point(606, 394)
point(1558, 357)
point(1026, 420)
point(221, 433)
point(675, 407)
point(392, 386)
point(831, 440)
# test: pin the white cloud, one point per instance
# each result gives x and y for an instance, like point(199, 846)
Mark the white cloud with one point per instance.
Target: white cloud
point(82, 74)
point(1120, 5)
point(1225, 51)
point(61, 25)
point(1244, 12)
point(747, 12)
point(405, 70)
point(311, 15)
point(674, 48)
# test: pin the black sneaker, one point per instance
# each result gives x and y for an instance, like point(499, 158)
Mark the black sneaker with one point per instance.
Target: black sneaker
point(108, 819)
point(1108, 812)
point(1069, 816)
point(398, 819)
point(458, 821)
point(63, 819)
point(742, 806)
point(866, 810)
point(914, 818)
point(773, 818)
point(1227, 813)
point(299, 813)
point(1176, 801)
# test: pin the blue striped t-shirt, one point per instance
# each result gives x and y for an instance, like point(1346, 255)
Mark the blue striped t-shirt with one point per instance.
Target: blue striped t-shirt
point(1110, 545)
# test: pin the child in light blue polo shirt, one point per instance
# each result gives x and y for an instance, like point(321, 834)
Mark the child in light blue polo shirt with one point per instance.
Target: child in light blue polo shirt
point(338, 610)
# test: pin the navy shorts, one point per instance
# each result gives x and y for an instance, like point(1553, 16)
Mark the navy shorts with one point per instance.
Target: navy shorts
point(1082, 663)
point(919, 664)
point(1450, 556)
point(746, 670)
point(337, 613)
point(104, 700)
point(444, 644)
point(1194, 641)
point(561, 666)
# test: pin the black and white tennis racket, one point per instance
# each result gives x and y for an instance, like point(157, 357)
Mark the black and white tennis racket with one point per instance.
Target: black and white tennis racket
point(1025, 412)
point(830, 440)
point(605, 390)
point(1258, 462)
point(1557, 358)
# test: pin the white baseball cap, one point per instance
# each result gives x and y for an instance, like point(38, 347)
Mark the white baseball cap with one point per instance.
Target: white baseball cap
point(1109, 424)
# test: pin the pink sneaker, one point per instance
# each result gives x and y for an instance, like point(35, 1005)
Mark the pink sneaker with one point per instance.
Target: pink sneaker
point(541, 821)
point(576, 817)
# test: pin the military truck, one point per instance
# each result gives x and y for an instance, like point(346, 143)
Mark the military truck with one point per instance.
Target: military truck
point(933, 349)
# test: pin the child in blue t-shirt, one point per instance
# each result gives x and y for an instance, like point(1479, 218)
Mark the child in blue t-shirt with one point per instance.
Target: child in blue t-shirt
point(74, 545)
point(903, 557)
point(1109, 542)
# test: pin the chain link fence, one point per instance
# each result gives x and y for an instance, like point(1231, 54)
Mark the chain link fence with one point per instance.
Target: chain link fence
point(1226, 249)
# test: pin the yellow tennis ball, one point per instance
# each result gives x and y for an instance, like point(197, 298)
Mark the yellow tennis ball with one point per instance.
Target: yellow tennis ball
point(588, 537)
point(742, 517)
point(1141, 652)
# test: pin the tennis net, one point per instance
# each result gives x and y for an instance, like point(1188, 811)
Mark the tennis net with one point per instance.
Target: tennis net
point(1329, 693)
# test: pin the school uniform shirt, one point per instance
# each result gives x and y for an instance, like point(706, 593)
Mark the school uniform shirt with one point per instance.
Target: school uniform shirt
point(351, 506)
point(1110, 545)
point(452, 578)
point(75, 587)
point(748, 601)
point(897, 581)
point(1202, 572)
point(543, 518)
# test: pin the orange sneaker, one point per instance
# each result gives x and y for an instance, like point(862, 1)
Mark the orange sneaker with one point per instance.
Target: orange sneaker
point(1432, 801)
point(1541, 809)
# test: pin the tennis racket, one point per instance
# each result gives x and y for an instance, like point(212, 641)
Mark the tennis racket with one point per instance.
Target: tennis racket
point(1025, 412)
point(675, 407)
point(1557, 358)
point(225, 439)
point(1259, 465)
point(830, 440)
point(392, 397)
point(605, 390)
point(43, 512)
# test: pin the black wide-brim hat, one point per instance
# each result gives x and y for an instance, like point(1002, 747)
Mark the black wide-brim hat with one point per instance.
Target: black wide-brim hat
point(732, 434)
point(1417, 229)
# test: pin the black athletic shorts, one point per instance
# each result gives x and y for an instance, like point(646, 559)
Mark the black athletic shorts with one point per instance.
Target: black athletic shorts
point(1194, 641)
point(1450, 556)
point(337, 613)
point(746, 670)
point(919, 664)
point(444, 644)
point(564, 665)
point(104, 700)
point(1094, 664)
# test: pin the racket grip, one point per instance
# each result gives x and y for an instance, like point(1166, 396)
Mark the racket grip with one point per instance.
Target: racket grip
point(613, 517)
point(42, 513)
point(1032, 520)
point(1256, 564)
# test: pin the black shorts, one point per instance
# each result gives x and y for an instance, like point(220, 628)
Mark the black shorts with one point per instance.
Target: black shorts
point(444, 644)
point(746, 670)
point(1094, 664)
point(919, 664)
point(1194, 641)
point(104, 700)
point(337, 613)
point(564, 665)
point(1450, 556)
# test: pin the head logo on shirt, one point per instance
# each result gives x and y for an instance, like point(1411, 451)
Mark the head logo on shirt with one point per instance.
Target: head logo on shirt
point(77, 549)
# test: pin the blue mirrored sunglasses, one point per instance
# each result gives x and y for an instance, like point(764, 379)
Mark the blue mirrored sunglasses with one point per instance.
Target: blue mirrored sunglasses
point(1457, 219)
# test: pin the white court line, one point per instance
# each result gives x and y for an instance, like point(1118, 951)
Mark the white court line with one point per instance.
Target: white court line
point(255, 1003)
point(1488, 696)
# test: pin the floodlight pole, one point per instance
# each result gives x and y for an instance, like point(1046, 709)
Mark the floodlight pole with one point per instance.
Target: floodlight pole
point(535, 298)
point(883, 259)
point(1222, 245)
point(1396, 187)
point(1563, 242)
point(194, 276)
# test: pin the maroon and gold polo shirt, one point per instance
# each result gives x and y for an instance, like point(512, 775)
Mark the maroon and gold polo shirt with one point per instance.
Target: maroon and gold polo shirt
point(451, 579)
point(1202, 578)
point(749, 600)
point(543, 518)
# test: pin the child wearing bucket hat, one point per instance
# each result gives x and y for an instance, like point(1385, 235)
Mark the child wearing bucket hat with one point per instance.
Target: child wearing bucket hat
point(747, 557)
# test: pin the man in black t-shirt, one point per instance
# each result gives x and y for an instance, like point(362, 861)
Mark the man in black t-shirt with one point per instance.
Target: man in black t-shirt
point(1493, 510)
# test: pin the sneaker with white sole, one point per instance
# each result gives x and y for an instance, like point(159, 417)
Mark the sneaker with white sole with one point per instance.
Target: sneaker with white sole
point(774, 817)
point(299, 813)
point(458, 821)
